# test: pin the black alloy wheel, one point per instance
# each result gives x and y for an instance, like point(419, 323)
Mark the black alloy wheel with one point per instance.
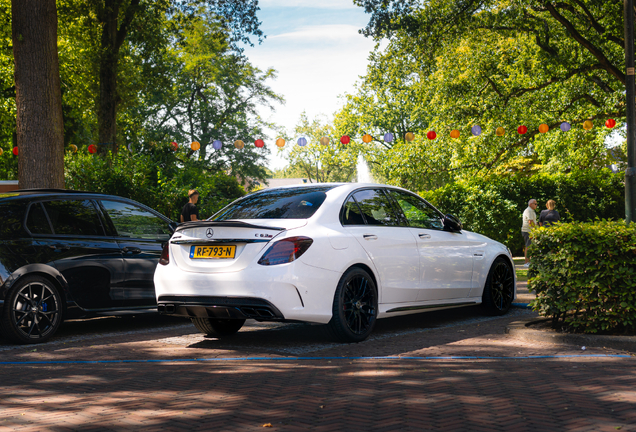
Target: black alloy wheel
point(32, 312)
point(500, 288)
point(355, 306)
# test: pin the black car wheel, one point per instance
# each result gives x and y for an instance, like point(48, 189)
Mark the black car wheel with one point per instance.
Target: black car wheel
point(32, 311)
point(218, 327)
point(355, 306)
point(500, 288)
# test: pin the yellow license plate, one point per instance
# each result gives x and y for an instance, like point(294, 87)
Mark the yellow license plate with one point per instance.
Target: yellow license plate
point(225, 251)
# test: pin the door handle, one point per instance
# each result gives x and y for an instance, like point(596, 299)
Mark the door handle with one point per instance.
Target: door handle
point(60, 247)
point(424, 236)
point(370, 236)
point(131, 249)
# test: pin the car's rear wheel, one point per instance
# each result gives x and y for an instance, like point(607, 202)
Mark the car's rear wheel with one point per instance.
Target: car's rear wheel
point(32, 311)
point(218, 327)
point(500, 288)
point(355, 306)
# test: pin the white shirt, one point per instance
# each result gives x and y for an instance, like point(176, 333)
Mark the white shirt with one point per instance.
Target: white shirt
point(528, 215)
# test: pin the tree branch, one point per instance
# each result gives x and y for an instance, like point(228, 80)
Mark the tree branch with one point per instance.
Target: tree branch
point(131, 11)
point(595, 51)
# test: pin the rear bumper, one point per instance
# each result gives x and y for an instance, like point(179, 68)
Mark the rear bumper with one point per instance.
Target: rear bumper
point(290, 292)
point(218, 307)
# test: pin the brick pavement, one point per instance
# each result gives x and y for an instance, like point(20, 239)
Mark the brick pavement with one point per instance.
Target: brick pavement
point(568, 391)
point(583, 394)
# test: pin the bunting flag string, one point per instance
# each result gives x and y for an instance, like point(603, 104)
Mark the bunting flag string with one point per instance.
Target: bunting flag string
point(388, 137)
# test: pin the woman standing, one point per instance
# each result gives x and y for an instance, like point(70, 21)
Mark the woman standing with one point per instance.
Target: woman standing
point(549, 216)
point(190, 212)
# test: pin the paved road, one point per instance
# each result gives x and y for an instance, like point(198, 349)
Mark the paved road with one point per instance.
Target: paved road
point(451, 371)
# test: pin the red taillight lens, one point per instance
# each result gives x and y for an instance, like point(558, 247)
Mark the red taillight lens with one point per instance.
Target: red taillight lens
point(165, 254)
point(285, 251)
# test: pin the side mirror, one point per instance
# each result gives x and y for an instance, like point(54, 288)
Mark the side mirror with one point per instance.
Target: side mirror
point(451, 223)
point(172, 226)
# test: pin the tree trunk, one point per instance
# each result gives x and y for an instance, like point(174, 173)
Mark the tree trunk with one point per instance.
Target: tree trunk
point(114, 32)
point(39, 121)
point(108, 97)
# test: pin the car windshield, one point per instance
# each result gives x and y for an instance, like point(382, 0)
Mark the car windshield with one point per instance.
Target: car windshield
point(294, 203)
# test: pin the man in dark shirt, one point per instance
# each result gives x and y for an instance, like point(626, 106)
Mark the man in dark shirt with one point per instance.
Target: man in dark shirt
point(190, 212)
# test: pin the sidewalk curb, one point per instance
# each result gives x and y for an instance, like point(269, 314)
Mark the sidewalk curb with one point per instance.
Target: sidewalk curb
point(519, 329)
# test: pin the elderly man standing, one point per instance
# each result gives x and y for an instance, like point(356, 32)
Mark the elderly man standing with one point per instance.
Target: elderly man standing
point(529, 221)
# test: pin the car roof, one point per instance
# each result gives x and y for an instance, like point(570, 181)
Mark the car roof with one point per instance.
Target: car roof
point(347, 186)
point(31, 193)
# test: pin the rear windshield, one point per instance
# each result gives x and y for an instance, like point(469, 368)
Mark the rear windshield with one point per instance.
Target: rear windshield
point(296, 203)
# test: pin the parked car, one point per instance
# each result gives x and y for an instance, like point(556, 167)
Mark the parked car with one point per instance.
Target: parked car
point(338, 254)
point(67, 254)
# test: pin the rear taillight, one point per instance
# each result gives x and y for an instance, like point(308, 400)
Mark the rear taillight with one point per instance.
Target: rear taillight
point(165, 254)
point(285, 251)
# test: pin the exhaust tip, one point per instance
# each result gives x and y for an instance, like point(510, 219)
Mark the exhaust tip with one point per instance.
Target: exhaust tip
point(170, 308)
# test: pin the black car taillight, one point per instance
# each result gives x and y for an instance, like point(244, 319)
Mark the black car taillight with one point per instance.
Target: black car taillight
point(285, 250)
point(165, 254)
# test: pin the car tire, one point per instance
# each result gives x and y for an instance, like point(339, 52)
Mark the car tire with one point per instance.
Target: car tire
point(32, 311)
point(500, 288)
point(355, 306)
point(218, 327)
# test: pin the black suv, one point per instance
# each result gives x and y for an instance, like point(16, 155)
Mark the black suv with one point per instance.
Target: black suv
point(68, 254)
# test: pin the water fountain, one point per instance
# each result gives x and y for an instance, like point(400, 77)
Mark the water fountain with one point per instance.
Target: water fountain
point(364, 174)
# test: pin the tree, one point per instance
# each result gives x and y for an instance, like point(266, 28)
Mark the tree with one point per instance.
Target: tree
point(500, 63)
point(39, 123)
point(333, 162)
point(143, 22)
point(214, 95)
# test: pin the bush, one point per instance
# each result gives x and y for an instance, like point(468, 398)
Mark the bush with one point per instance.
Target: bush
point(583, 275)
point(493, 205)
point(159, 179)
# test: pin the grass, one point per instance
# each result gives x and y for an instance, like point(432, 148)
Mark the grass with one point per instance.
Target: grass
point(522, 272)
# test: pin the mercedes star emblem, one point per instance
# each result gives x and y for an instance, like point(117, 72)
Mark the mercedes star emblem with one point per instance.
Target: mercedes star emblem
point(209, 233)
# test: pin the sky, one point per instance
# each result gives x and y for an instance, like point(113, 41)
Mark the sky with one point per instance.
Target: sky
point(318, 53)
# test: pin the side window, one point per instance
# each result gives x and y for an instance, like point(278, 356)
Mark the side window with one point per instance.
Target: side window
point(12, 217)
point(74, 217)
point(37, 222)
point(418, 213)
point(351, 213)
point(376, 207)
point(135, 222)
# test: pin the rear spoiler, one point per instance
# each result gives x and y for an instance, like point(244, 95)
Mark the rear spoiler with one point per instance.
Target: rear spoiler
point(230, 224)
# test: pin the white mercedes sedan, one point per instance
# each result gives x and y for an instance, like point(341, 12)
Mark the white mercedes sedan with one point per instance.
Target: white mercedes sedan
point(342, 254)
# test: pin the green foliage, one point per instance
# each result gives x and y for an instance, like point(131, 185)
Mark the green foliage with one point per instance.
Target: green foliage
point(493, 205)
point(8, 164)
point(335, 162)
point(583, 275)
point(452, 64)
point(159, 178)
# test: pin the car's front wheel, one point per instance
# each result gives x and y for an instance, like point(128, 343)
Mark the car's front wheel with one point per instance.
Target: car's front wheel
point(355, 306)
point(218, 327)
point(499, 291)
point(32, 311)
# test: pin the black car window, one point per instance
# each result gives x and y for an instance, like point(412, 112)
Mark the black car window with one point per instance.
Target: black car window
point(351, 214)
point(37, 222)
point(133, 221)
point(74, 217)
point(376, 207)
point(418, 212)
point(294, 203)
point(12, 215)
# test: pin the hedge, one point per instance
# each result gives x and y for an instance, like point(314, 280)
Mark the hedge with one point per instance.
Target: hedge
point(584, 275)
point(493, 205)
